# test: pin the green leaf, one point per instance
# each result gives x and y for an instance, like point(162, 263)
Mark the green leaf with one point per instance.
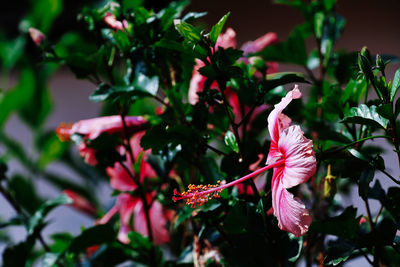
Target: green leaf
point(96, 235)
point(217, 28)
point(376, 192)
point(11, 52)
point(395, 85)
point(39, 216)
point(24, 192)
point(293, 50)
point(319, 18)
point(385, 110)
point(17, 98)
point(366, 116)
point(392, 202)
point(189, 32)
point(282, 78)
point(367, 175)
point(44, 20)
point(51, 149)
point(345, 225)
point(18, 255)
point(296, 247)
point(329, 4)
point(338, 252)
point(230, 141)
point(236, 221)
point(146, 84)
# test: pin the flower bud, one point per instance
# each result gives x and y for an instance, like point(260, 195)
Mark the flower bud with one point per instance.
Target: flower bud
point(329, 184)
point(380, 64)
point(37, 36)
point(364, 65)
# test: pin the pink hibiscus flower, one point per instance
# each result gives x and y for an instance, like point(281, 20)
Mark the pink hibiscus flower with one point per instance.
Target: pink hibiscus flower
point(93, 128)
point(226, 40)
point(288, 143)
point(292, 157)
point(130, 208)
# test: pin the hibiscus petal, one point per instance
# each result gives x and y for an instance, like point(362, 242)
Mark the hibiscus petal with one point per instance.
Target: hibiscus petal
point(119, 178)
point(300, 162)
point(92, 128)
point(260, 43)
point(278, 122)
point(227, 39)
point(158, 222)
point(291, 213)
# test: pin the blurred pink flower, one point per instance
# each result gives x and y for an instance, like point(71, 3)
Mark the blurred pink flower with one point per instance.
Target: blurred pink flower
point(226, 40)
point(80, 203)
point(288, 143)
point(120, 178)
point(112, 21)
point(130, 206)
point(93, 128)
point(130, 209)
point(37, 36)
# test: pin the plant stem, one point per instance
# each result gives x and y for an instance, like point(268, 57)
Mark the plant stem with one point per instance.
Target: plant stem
point(353, 143)
point(19, 210)
point(390, 176)
point(137, 181)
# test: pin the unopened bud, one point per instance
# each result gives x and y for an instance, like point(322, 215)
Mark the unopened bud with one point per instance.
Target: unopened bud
point(364, 64)
point(329, 184)
point(380, 64)
point(112, 21)
point(37, 36)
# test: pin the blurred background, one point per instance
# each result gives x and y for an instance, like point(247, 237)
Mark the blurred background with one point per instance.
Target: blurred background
point(369, 23)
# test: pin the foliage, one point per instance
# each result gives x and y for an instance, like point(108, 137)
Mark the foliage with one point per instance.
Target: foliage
point(183, 106)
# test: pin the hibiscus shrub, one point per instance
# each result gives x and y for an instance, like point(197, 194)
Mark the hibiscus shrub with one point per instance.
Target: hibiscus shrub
point(210, 160)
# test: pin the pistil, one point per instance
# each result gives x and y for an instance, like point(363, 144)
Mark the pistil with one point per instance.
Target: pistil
point(197, 195)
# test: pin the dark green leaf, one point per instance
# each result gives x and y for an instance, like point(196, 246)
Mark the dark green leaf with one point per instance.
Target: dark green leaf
point(18, 255)
point(95, 235)
point(345, 225)
point(367, 175)
point(17, 98)
point(236, 220)
point(293, 50)
point(230, 141)
point(376, 192)
point(24, 192)
point(39, 216)
point(367, 116)
point(397, 108)
point(392, 202)
point(282, 78)
point(338, 252)
point(217, 28)
point(385, 110)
